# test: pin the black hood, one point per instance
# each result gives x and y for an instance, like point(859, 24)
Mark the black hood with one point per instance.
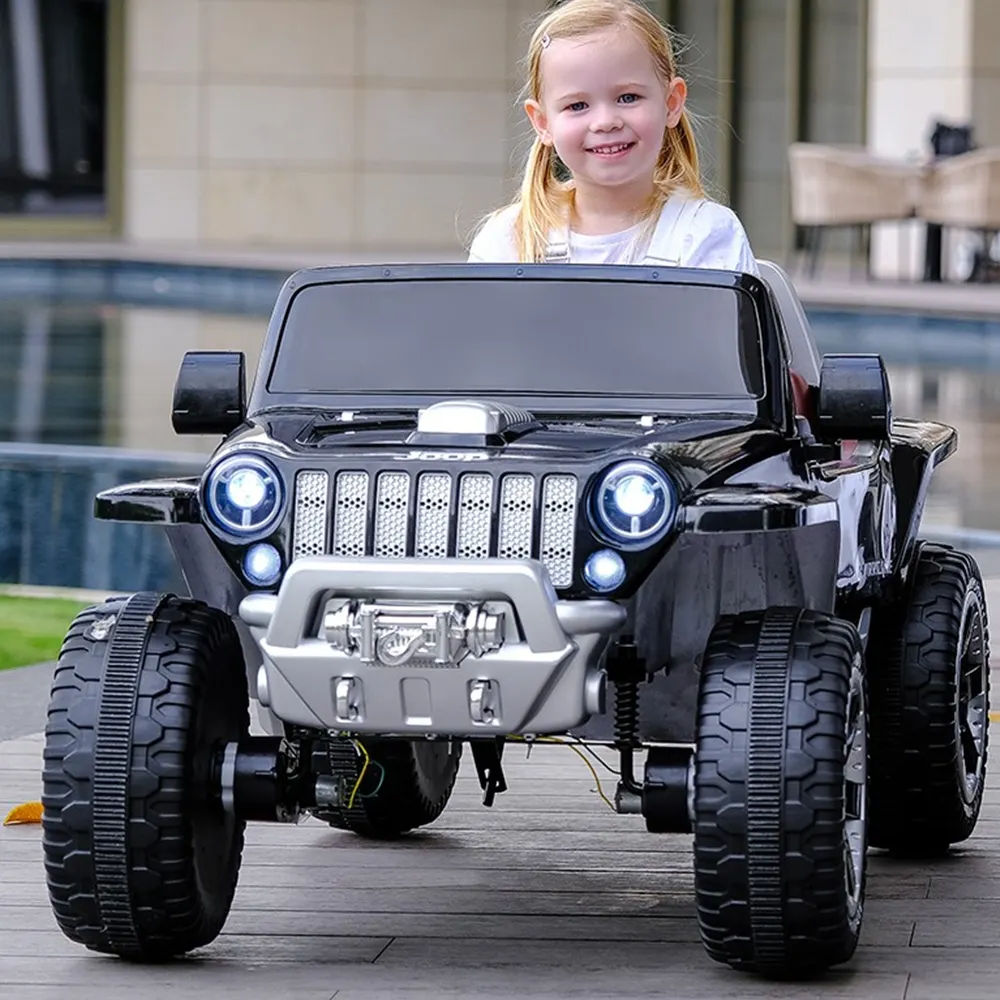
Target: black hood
point(695, 448)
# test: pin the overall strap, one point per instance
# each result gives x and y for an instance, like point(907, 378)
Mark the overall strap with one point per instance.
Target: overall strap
point(557, 251)
point(675, 221)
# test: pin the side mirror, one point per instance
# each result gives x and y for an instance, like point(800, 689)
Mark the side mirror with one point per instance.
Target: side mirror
point(210, 393)
point(853, 402)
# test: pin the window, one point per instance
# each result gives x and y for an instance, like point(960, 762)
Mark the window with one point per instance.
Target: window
point(58, 112)
point(543, 337)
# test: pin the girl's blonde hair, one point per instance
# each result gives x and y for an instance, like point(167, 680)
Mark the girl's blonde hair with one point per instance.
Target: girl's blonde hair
point(544, 199)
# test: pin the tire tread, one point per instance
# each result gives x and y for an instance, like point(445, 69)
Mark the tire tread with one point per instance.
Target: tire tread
point(192, 651)
point(917, 807)
point(770, 881)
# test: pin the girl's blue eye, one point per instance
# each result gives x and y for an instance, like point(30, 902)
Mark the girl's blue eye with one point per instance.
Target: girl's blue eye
point(577, 106)
point(629, 98)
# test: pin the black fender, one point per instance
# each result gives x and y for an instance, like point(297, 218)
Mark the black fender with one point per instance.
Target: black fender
point(154, 501)
point(918, 447)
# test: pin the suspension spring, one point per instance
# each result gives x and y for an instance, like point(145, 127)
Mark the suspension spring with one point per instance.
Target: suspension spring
point(627, 713)
point(625, 670)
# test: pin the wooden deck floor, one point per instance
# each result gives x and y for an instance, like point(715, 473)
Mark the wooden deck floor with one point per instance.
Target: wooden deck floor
point(549, 894)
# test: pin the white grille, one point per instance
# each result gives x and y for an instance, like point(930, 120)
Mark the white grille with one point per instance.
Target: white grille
point(517, 508)
point(350, 515)
point(433, 515)
point(309, 538)
point(392, 502)
point(558, 528)
point(475, 516)
point(460, 522)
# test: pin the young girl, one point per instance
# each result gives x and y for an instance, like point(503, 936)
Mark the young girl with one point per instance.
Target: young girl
point(604, 96)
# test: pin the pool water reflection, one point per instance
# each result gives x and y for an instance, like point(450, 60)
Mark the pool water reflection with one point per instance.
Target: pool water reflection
point(104, 375)
point(84, 374)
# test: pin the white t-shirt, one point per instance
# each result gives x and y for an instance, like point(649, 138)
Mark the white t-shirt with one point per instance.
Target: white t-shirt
point(713, 237)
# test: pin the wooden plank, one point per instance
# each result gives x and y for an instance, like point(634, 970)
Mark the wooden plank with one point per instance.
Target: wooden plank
point(115, 979)
point(672, 923)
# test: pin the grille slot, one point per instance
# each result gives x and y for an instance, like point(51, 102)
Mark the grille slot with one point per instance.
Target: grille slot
point(350, 514)
point(517, 517)
point(309, 537)
point(474, 515)
point(433, 515)
point(392, 505)
point(558, 528)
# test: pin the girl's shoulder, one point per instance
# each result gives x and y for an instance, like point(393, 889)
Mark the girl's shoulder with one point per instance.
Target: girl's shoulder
point(700, 232)
point(702, 212)
point(494, 242)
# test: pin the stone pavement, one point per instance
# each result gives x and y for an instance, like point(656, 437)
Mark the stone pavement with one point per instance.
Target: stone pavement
point(24, 699)
point(548, 895)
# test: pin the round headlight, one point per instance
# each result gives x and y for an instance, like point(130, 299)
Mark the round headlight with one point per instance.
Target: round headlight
point(243, 494)
point(246, 489)
point(634, 495)
point(634, 504)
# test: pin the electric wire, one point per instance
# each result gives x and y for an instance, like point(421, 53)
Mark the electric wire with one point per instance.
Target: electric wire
point(359, 747)
point(600, 760)
point(578, 752)
point(375, 790)
point(570, 743)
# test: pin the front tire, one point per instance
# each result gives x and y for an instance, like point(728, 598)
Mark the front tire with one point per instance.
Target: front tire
point(780, 832)
point(140, 859)
point(930, 670)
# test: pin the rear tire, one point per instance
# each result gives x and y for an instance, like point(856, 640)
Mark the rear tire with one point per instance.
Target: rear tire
point(407, 785)
point(140, 859)
point(929, 664)
point(780, 830)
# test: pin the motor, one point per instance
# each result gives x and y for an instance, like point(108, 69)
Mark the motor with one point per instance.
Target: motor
point(263, 778)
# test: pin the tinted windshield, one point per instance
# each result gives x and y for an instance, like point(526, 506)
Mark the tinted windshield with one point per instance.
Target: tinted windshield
point(522, 337)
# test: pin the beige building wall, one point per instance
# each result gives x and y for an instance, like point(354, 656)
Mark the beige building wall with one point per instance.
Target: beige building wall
point(927, 60)
point(359, 128)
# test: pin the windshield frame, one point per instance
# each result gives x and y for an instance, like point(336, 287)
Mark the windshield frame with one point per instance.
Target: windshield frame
point(768, 409)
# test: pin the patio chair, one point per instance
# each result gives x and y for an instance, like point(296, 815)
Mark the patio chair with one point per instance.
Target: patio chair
point(963, 192)
point(838, 187)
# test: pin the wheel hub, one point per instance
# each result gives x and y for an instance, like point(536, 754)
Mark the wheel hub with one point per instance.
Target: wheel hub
point(971, 683)
point(855, 791)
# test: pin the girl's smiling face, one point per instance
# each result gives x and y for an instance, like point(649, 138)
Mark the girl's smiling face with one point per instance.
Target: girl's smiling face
point(604, 108)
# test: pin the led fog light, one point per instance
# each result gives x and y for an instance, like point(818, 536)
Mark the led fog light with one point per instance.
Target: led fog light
point(604, 570)
point(262, 564)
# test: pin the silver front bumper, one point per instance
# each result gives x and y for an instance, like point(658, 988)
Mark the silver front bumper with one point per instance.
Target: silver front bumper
point(453, 647)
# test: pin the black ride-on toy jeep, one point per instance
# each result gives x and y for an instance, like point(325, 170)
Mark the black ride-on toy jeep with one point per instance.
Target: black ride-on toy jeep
point(470, 502)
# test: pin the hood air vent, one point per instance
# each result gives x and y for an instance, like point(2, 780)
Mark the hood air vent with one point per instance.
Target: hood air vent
point(471, 421)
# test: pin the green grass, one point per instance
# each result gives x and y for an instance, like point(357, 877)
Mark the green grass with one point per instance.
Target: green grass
point(32, 628)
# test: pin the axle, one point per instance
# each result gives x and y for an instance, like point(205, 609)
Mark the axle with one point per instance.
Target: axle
point(264, 778)
point(272, 779)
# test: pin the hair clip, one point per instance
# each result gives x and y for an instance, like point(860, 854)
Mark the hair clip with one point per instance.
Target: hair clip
point(546, 41)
